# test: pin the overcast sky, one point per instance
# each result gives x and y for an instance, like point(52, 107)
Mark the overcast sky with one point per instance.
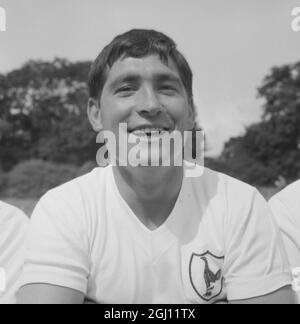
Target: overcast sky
point(230, 44)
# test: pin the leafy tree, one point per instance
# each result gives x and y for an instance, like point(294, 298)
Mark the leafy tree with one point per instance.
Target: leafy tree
point(270, 149)
point(43, 114)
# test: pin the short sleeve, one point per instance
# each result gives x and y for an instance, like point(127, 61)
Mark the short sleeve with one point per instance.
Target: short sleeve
point(289, 228)
point(256, 262)
point(288, 221)
point(57, 245)
point(13, 226)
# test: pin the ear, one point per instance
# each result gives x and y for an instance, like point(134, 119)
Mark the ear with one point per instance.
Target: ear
point(94, 115)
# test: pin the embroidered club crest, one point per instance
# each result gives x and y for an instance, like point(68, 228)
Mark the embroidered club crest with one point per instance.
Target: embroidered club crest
point(206, 275)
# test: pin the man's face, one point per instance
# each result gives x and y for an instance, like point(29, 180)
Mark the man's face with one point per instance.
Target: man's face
point(146, 94)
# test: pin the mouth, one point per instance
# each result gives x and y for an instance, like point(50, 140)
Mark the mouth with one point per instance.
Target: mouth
point(150, 131)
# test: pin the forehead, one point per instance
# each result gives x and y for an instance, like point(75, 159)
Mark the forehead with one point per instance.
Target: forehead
point(146, 67)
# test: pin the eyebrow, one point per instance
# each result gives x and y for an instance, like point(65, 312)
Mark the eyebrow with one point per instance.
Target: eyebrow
point(134, 77)
point(167, 77)
point(128, 77)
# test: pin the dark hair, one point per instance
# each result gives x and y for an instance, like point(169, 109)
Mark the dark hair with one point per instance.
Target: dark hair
point(139, 43)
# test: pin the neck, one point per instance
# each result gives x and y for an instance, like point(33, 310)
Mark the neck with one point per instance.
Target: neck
point(151, 193)
point(149, 184)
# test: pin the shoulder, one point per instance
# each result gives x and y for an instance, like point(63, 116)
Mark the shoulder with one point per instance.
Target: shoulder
point(287, 202)
point(233, 201)
point(220, 184)
point(290, 194)
point(80, 188)
point(11, 219)
point(11, 214)
point(237, 202)
point(74, 204)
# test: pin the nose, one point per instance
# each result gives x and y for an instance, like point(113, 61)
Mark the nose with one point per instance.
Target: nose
point(149, 103)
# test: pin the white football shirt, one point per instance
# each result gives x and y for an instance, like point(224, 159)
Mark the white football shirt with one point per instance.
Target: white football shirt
point(286, 208)
point(13, 226)
point(219, 243)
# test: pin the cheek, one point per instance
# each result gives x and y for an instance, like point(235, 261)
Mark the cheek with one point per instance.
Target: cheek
point(113, 112)
point(179, 110)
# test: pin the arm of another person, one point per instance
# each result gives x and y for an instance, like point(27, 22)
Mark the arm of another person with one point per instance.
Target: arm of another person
point(284, 295)
point(13, 227)
point(49, 294)
point(286, 209)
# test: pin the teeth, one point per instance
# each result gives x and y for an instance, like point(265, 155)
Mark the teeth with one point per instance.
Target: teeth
point(149, 131)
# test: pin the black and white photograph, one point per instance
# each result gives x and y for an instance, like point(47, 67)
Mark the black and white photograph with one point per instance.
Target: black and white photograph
point(149, 154)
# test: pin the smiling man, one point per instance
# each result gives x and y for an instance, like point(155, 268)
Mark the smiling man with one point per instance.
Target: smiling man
point(125, 234)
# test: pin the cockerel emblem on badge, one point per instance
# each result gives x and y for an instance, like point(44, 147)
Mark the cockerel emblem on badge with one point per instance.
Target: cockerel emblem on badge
point(206, 275)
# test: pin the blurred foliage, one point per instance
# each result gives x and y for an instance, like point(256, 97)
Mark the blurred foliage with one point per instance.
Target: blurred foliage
point(270, 150)
point(33, 178)
point(43, 114)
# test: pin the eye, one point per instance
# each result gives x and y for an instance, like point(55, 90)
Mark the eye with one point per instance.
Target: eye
point(168, 89)
point(126, 90)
